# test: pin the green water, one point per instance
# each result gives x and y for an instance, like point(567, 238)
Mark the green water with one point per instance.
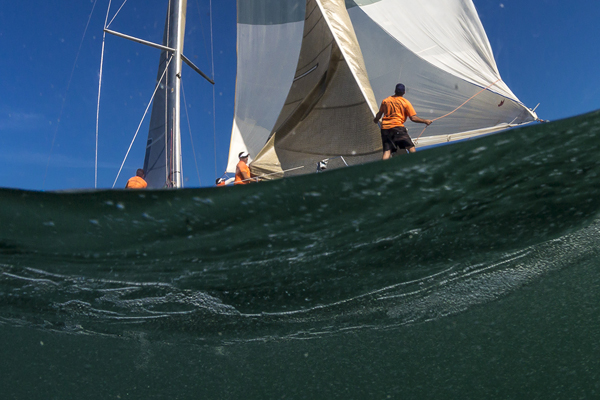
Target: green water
point(466, 271)
point(541, 342)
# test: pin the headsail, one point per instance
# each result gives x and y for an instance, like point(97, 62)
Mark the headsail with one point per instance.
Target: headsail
point(438, 48)
point(268, 44)
point(330, 106)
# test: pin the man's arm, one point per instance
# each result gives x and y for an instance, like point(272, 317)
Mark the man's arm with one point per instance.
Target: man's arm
point(379, 114)
point(418, 120)
point(245, 174)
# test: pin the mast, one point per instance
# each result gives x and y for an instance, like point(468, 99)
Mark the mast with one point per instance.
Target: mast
point(162, 162)
point(180, 29)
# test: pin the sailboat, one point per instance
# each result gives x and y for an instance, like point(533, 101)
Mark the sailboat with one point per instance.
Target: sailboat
point(320, 69)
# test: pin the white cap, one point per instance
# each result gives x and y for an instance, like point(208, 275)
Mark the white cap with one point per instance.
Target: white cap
point(243, 154)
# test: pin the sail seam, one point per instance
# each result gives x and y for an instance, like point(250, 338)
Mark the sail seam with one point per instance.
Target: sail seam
point(344, 52)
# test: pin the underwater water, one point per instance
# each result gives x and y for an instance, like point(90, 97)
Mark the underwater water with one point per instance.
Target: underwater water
point(463, 271)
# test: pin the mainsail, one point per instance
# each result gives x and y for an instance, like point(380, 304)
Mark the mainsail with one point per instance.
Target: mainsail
point(162, 162)
point(347, 56)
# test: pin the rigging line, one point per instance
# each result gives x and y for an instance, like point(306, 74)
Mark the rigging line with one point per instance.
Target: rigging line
point(143, 117)
point(99, 91)
point(254, 178)
point(187, 115)
point(62, 108)
point(212, 67)
point(202, 28)
point(168, 135)
point(459, 107)
point(114, 16)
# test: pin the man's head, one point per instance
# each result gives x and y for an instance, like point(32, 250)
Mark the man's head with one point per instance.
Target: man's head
point(219, 181)
point(400, 89)
point(244, 155)
point(140, 172)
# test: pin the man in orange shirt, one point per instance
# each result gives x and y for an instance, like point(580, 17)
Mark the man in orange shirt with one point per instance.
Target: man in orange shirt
point(394, 135)
point(137, 182)
point(242, 171)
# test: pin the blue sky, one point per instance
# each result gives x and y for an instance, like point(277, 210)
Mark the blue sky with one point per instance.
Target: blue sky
point(546, 51)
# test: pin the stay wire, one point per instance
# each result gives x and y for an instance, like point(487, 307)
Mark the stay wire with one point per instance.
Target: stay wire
point(62, 108)
point(187, 115)
point(202, 30)
point(212, 59)
point(114, 16)
point(143, 118)
point(99, 92)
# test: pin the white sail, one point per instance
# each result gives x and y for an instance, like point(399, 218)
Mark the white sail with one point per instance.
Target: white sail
point(330, 106)
point(268, 43)
point(437, 48)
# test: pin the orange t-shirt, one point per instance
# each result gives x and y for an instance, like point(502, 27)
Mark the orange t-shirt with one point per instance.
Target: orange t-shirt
point(239, 178)
point(395, 110)
point(136, 183)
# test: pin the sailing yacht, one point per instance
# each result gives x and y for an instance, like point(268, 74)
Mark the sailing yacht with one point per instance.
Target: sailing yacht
point(321, 68)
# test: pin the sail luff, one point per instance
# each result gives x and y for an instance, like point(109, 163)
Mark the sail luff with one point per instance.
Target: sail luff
point(339, 23)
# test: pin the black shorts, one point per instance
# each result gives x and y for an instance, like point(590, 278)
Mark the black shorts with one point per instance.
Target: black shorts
point(396, 138)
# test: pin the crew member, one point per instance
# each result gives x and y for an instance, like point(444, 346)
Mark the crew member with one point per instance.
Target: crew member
point(394, 135)
point(220, 182)
point(137, 182)
point(242, 171)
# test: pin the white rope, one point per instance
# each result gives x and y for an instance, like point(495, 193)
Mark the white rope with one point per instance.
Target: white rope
point(255, 178)
point(143, 117)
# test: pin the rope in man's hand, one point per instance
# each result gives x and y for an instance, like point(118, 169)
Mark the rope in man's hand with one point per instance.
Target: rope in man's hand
point(457, 108)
